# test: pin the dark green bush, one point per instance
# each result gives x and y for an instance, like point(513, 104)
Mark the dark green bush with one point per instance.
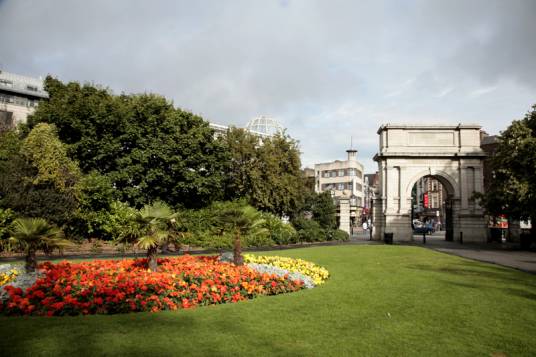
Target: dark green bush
point(7, 217)
point(337, 234)
point(278, 231)
point(309, 230)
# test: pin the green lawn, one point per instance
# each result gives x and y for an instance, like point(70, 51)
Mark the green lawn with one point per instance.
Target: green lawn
point(380, 300)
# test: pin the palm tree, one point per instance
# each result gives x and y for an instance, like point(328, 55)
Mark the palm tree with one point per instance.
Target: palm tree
point(32, 234)
point(150, 228)
point(240, 220)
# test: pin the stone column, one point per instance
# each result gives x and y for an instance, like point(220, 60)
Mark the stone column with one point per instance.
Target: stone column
point(344, 214)
point(378, 219)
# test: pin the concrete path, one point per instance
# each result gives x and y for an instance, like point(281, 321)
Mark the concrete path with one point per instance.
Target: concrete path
point(504, 254)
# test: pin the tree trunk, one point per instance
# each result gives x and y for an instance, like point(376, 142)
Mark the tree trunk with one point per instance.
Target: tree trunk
point(152, 258)
point(165, 247)
point(237, 252)
point(31, 261)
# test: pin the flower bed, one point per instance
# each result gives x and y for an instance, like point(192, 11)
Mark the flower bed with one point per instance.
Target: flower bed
point(315, 272)
point(120, 286)
point(8, 276)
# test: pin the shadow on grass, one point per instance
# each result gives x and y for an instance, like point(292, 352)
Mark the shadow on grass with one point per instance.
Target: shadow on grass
point(506, 290)
point(137, 334)
point(485, 277)
point(478, 269)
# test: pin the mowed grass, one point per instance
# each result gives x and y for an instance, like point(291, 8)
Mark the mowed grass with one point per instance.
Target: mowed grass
point(380, 300)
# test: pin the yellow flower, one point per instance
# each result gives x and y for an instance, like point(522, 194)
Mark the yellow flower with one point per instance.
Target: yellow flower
point(315, 272)
point(8, 276)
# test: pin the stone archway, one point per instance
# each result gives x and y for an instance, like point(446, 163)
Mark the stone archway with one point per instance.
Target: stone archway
point(452, 154)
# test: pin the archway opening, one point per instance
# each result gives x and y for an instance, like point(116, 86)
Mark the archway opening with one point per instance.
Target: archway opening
point(432, 208)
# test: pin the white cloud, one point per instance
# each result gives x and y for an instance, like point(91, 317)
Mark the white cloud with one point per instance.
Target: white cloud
point(481, 91)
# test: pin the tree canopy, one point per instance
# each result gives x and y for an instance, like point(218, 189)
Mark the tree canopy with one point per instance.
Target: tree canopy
point(322, 208)
point(512, 189)
point(147, 148)
point(265, 172)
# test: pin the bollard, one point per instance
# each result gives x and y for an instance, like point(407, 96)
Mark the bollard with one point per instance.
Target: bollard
point(424, 238)
point(461, 237)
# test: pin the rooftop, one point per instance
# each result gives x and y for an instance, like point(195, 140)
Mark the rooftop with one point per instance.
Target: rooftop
point(28, 86)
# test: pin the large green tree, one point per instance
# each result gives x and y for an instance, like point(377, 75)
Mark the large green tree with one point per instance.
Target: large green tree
point(266, 172)
point(37, 179)
point(322, 208)
point(512, 189)
point(147, 148)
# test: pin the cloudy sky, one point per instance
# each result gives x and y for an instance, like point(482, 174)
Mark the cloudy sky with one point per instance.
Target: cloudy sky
point(326, 70)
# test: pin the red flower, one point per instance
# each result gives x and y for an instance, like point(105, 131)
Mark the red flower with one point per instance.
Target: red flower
point(112, 286)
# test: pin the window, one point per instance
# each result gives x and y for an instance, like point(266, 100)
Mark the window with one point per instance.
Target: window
point(341, 173)
point(327, 187)
point(340, 186)
point(32, 88)
point(326, 173)
point(6, 120)
point(333, 173)
point(359, 173)
point(6, 83)
point(351, 172)
point(359, 187)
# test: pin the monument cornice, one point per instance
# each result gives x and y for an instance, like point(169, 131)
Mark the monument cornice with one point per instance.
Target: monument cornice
point(429, 127)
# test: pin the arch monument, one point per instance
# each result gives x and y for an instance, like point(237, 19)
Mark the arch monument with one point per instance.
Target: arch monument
point(449, 153)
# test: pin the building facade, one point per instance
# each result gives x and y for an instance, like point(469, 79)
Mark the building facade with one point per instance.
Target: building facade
point(344, 180)
point(428, 198)
point(19, 96)
point(370, 188)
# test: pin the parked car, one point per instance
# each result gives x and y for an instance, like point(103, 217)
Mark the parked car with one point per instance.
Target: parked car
point(427, 228)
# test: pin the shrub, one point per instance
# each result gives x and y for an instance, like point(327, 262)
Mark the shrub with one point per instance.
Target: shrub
point(216, 226)
point(258, 240)
point(95, 200)
point(279, 232)
point(37, 179)
point(7, 217)
point(337, 234)
point(119, 216)
point(309, 230)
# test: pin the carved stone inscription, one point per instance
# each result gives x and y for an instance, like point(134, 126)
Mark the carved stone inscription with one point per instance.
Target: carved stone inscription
point(424, 138)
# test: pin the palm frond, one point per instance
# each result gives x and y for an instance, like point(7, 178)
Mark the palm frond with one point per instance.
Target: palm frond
point(36, 233)
point(147, 241)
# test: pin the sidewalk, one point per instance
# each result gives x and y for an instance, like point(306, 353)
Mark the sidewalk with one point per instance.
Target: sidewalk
point(506, 254)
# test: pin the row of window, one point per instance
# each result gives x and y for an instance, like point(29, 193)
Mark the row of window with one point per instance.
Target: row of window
point(8, 83)
point(340, 186)
point(13, 99)
point(342, 173)
point(356, 201)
